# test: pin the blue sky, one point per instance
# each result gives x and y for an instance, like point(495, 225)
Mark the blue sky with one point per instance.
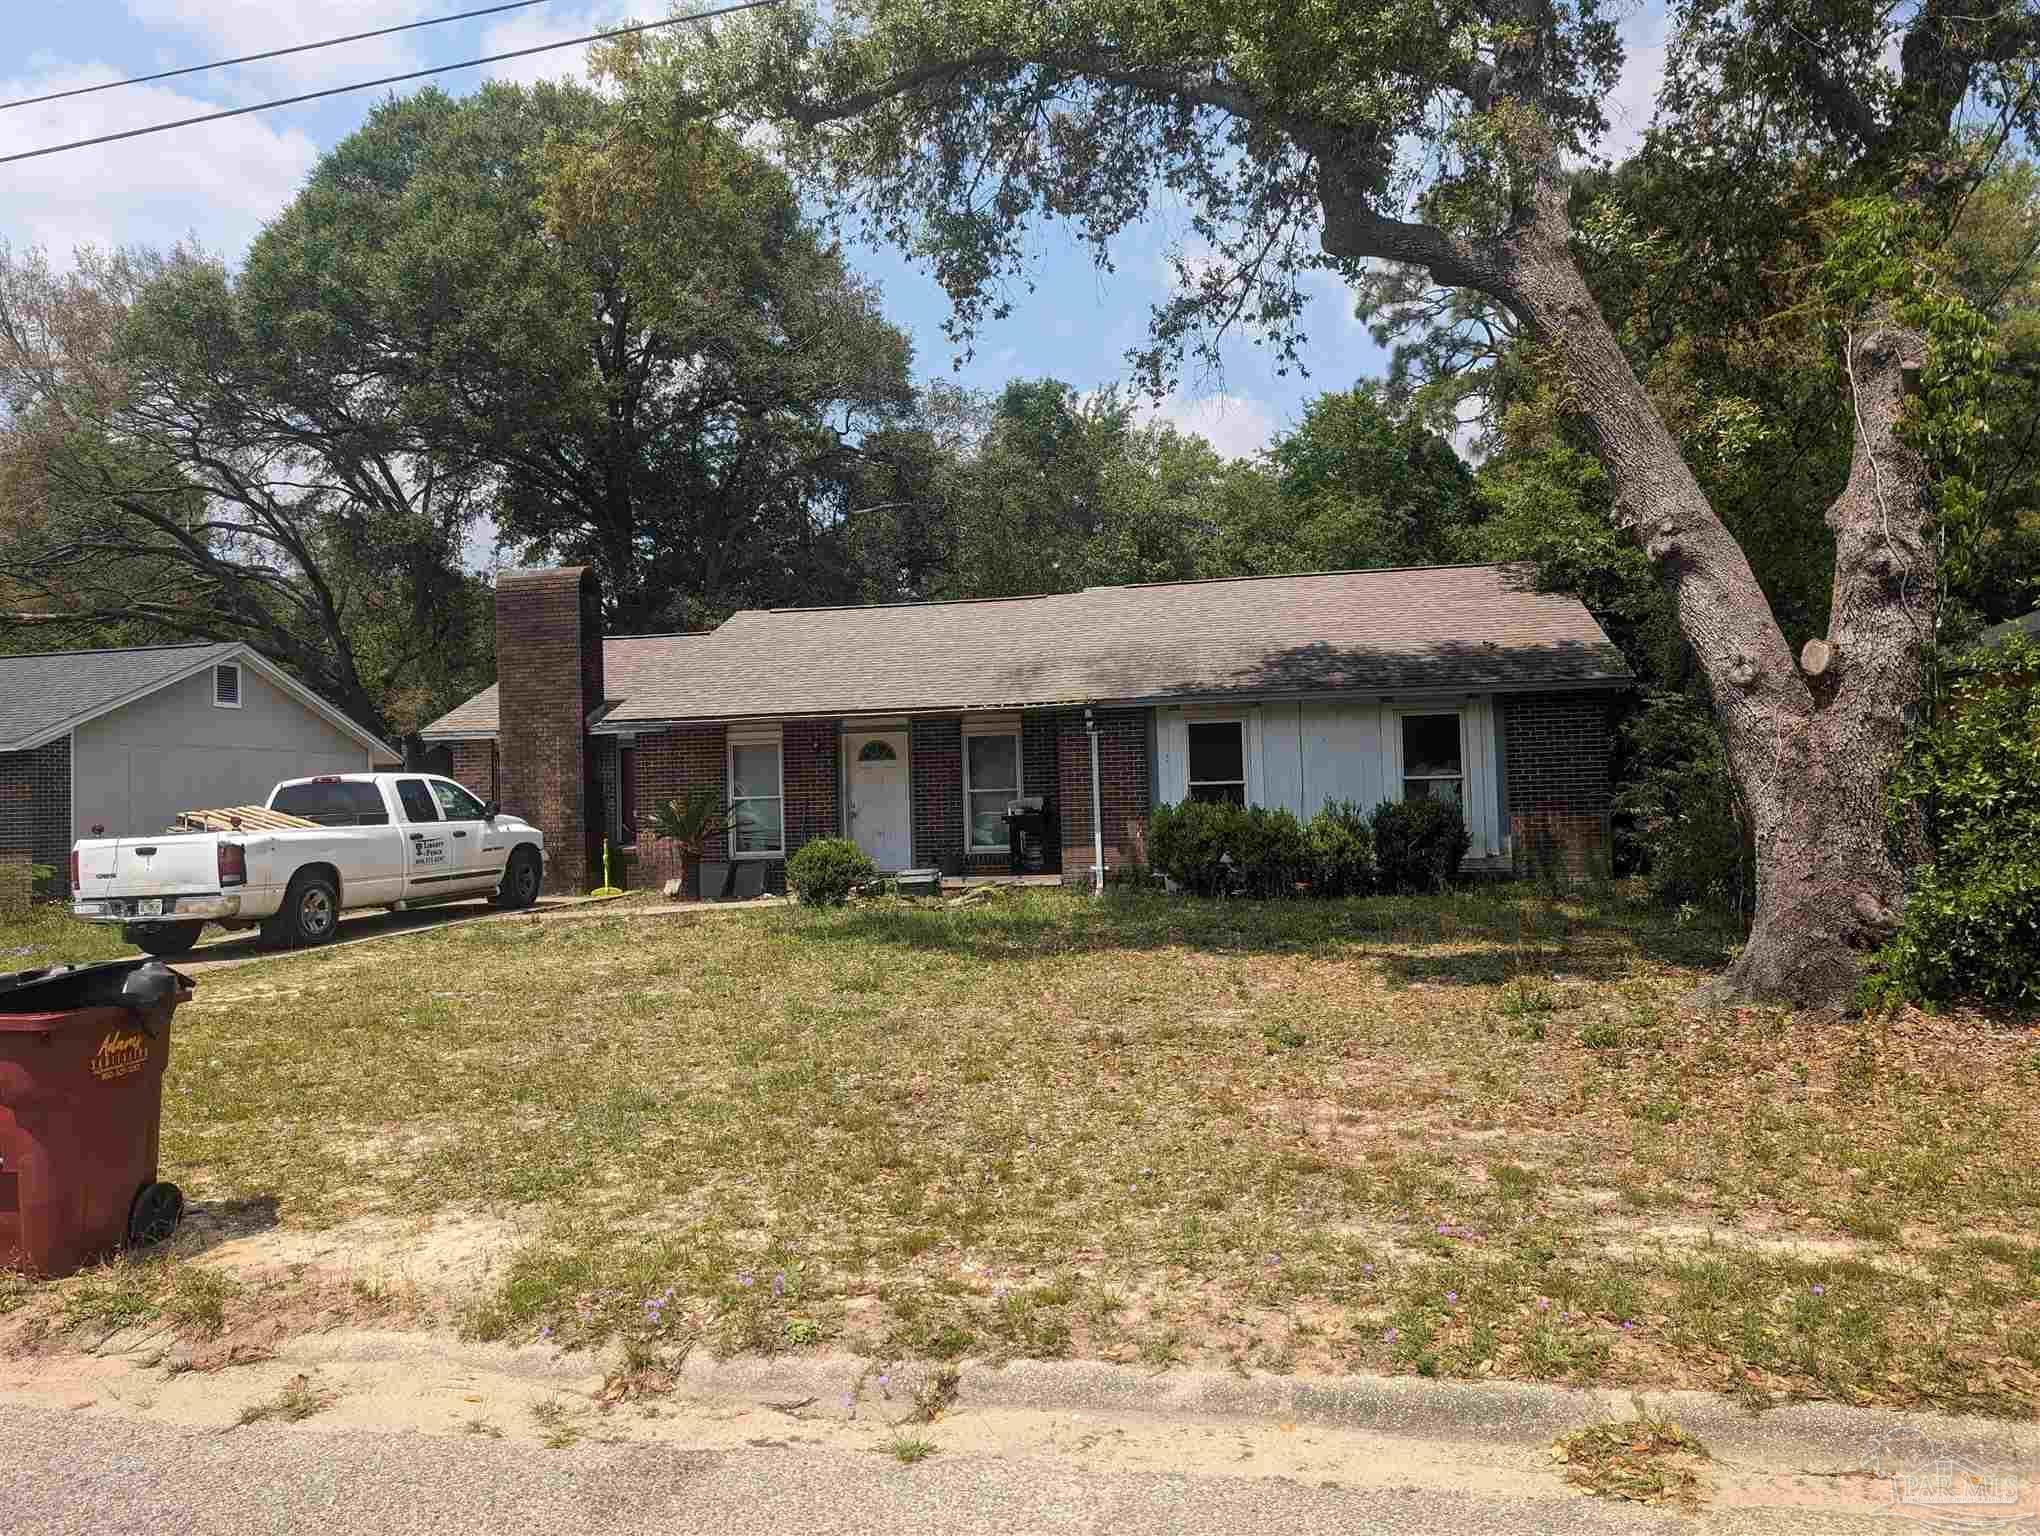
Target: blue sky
point(221, 181)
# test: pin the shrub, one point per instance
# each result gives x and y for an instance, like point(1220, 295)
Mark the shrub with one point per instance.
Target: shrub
point(1341, 851)
point(1971, 934)
point(1418, 844)
point(1211, 847)
point(824, 872)
point(1270, 851)
point(1677, 818)
point(1972, 921)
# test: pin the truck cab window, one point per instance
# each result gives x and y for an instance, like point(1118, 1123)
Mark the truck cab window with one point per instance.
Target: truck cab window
point(416, 800)
point(369, 810)
point(455, 803)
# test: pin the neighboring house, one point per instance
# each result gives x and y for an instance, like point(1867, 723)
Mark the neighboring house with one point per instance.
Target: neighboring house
point(118, 742)
point(909, 727)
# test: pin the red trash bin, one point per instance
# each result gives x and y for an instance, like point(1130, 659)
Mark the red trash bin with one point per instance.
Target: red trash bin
point(82, 1052)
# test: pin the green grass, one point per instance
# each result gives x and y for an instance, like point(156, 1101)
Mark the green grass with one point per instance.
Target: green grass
point(908, 1449)
point(45, 934)
point(298, 1399)
point(1310, 1136)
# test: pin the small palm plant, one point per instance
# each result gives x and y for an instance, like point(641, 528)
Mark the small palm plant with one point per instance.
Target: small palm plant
point(689, 824)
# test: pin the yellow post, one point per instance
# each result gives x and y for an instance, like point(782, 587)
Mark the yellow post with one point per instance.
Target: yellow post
point(605, 888)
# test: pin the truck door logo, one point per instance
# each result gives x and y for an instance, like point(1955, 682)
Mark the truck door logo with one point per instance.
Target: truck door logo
point(430, 850)
point(119, 1055)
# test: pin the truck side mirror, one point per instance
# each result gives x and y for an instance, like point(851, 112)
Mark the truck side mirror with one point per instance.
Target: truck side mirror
point(491, 811)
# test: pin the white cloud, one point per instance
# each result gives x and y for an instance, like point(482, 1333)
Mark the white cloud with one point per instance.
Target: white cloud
point(220, 180)
point(231, 28)
point(1236, 425)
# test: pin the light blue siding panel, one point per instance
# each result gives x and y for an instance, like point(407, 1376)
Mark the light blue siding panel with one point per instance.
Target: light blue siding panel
point(1282, 758)
point(1342, 756)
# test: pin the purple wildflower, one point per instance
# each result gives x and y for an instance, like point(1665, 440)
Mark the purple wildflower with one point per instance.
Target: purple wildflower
point(1627, 1326)
point(744, 1278)
point(1367, 1269)
point(1452, 1298)
point(1819, 1289)
point(1543, 1305)
point(779, 1283)
point(1391, 1335)
point(1274, 1259)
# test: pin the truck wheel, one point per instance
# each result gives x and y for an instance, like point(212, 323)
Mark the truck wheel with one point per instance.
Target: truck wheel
point(521, 880)
point(311, 913)
point(170, 939)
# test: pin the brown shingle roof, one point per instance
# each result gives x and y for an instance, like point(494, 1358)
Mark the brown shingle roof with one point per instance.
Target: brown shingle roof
point(629, 663)
point(1447, 627)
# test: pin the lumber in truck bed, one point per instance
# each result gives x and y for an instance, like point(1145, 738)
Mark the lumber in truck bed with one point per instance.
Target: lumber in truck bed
point(239, 818)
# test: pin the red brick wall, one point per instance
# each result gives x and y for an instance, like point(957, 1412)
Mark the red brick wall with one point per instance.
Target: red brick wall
point(669, 764)
point(938, 791)
point(1123, 787)
point(1557, 748)
point(808, 764)
point(935, 761)
point(1041, 774)
point(473, 763)
point(35, 818)
point(548, 679)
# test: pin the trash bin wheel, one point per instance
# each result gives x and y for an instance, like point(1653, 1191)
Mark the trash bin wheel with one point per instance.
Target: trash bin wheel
point(154, 1215)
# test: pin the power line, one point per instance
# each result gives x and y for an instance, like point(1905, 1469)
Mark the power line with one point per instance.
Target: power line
point(274, 53)
point(366, 85)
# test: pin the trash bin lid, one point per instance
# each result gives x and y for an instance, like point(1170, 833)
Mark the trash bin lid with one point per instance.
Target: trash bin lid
point(137, 983)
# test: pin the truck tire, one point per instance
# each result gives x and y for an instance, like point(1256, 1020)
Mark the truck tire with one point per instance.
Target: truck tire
point(168, 939)
point(310, 914)
point(522, 877)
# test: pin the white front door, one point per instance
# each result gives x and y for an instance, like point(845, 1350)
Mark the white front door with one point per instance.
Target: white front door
point(881, 808)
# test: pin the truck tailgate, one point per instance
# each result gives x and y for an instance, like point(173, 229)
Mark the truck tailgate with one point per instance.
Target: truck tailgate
point(175, 864)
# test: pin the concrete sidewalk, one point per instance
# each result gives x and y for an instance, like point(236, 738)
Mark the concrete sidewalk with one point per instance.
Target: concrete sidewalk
point(423, 1434)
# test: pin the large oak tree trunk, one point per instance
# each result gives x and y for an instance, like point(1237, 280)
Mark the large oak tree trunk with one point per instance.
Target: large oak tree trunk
point(1812, 742)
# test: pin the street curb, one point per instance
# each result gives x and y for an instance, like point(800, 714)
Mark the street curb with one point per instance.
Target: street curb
point(1801, 1437)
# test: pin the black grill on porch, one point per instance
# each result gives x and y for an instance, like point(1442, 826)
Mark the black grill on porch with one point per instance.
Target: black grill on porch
point(1028, 820)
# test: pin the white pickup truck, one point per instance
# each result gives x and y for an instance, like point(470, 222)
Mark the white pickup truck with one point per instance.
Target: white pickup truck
point(393, 840)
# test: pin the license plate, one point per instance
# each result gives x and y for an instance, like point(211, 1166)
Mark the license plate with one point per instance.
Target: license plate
point(149, 906)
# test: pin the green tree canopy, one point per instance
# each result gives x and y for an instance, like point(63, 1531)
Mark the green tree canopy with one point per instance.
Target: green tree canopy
point(659, 365)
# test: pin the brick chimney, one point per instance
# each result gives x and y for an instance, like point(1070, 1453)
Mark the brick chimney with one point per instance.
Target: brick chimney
point(548, 681)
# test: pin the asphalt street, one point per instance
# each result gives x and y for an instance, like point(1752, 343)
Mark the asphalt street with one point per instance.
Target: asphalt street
point(80, 1474)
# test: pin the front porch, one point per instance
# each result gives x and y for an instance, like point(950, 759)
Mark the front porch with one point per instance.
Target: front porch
point(964, 882)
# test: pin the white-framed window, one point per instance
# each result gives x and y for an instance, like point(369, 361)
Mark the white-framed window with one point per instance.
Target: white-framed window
point(1433, 762)
point(1216, 751)
point(226, 685)
point(757, 813)
point(991, 778)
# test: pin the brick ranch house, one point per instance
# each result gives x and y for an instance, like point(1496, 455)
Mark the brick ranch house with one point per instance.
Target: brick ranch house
point(908, 727)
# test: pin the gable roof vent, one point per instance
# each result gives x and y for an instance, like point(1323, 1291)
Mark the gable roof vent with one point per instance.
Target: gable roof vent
point(226, 685)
